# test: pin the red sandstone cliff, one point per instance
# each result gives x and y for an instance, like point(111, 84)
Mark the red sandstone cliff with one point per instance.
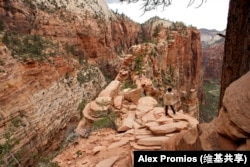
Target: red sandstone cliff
point(75, 24)
point(41, 88)
point(51, 54)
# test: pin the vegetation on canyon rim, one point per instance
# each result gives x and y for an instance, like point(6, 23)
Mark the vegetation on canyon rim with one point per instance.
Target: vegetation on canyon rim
point(26, 47)
point(82, 77)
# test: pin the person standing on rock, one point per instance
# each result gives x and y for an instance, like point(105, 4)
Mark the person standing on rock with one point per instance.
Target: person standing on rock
point(169, 100)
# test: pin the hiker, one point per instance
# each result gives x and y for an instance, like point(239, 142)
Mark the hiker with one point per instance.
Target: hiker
point(169, 100)
point(144, 89)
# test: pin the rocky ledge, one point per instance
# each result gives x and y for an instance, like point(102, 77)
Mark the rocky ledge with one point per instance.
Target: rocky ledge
point(141, 125)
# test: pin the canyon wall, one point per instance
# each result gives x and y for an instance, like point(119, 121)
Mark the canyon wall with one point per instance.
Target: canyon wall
point(76, 25)
point(212, 53)
point(176, 59)
point(178, 53)
point(54, 56)
point(39, 99)
point(54, 68)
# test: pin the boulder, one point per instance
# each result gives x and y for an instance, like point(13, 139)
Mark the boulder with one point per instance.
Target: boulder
point(144, 148)
point(159, 112)
point(132, 95)
point(127, 123)
point(111, 90)
point(148, 117)
point(95, 108)
point(107, 162)
point(147, 101)
point(236, 102)
point(118, 102)
point(149, 124)
point(132, 107)
point(142, 131)
point(169, 128)
point(229, 131)
point(143, 136)
point(103, 101)
point(83, 128)
point(165, 120)
point(145, 104)
point(185, 117)
point(86, 113)
point(79, 129)
point(152, 141)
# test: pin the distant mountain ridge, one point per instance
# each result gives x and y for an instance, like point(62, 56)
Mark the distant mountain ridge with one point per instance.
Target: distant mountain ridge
point(212, 52)
point(209, 37)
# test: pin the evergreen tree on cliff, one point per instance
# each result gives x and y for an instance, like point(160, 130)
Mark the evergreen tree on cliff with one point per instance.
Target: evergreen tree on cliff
point(236, 60)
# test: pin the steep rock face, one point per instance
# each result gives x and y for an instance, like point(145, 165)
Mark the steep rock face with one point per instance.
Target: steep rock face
point(212, 53)
point(181, 59)
point(75, 24)
point(230, 131)
point(212, 61)
point(39, 99)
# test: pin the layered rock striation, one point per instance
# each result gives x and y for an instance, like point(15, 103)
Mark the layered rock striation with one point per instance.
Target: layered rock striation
point(88, 27)
point(53, 58)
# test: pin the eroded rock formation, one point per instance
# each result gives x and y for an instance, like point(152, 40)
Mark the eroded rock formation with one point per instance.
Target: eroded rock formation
point(76, 25)
point(43, 89)
point(229, 131)
point(142, 126)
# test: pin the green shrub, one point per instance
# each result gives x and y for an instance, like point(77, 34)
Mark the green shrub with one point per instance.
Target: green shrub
point(24, 47)
point(6, 148)
point(81, 106)
point(47, 162)
point(129, 84)
point(138, 64)
point(83, 78)
point(107, 120)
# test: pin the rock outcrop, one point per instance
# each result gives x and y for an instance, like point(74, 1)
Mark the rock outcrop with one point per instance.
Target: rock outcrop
point(53, 58)
point(141, 126)
point(42, 89)
point(172, 59)
point(177, 55)
point(229, 131)
point(75, 25)
point(39, 99)
point(150, 129)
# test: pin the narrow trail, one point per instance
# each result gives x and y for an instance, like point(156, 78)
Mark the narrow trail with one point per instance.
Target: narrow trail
point(106, 147)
